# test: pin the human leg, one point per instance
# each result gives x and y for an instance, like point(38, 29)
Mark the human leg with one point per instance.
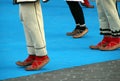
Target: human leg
point(33, 23)
point(78, 16)
point(114, 23)
point(104, 26)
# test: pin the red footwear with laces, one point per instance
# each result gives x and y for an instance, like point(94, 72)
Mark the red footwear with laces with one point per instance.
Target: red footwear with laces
point(27, 62)
point(103, 43)
point(38, 63)
point(113, 45)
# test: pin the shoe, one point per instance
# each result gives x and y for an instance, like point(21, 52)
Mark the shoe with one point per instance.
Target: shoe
point(100, 44)
point(27, 62)
point(80, 33)
point(72, 33)
point(89, 6)
point(103, 43)
point(38, 63)
point(113, 45)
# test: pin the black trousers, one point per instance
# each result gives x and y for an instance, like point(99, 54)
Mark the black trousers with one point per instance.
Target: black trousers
point(77, 12)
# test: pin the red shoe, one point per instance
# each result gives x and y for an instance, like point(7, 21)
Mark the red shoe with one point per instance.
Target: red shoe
point(27, 62)
point(87, 4)
point(103, 43)
point(38, 63)
point(113, 45)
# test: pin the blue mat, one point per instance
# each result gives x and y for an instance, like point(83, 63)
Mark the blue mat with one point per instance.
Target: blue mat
point(64, 51)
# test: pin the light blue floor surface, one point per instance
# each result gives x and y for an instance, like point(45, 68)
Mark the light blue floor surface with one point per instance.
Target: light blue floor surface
point(64, 51)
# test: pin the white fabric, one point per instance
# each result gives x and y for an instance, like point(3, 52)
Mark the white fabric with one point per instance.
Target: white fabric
point(76, 0)
point(32, 19)
point(25, 1)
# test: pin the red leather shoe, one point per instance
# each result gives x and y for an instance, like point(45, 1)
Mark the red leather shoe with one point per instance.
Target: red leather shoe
point(27, 62)
point(103, 43)
point(113, 45)
point(87, 5)
point(38, 63)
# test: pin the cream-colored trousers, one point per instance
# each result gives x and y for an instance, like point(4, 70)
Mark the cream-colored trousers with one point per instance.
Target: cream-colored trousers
point(32, 19)
point(108, 17)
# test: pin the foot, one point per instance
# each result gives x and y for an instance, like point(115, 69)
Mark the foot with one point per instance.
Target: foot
point(72, 33)
point(112, 45)
point(38, 63)
point(80, 33)
point(103, 43)
point(27, 62)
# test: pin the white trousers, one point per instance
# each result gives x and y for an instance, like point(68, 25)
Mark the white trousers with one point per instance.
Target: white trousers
point(32, 19)
point(108, 17)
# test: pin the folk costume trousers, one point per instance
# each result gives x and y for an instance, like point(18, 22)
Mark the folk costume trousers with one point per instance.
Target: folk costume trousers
point(108, 17)
point(32, 19)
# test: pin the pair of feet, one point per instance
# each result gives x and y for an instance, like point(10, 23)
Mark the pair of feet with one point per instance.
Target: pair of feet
point(107, 44)
point(77, 33)
point(34, 62)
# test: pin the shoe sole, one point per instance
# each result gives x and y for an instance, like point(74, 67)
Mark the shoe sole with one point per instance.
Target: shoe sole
point(94, 47)
point(109, 49)
point(23, 64)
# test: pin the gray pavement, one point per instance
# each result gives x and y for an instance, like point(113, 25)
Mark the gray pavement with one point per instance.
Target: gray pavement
point(106, 71)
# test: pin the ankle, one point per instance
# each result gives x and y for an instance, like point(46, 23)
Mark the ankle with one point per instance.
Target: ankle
point(107, 38)
point(32, 56)
point(115, 39)
point(41, 57)
point(29, 58)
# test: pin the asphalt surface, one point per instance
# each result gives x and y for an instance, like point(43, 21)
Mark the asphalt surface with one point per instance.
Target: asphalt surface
point(105, 71)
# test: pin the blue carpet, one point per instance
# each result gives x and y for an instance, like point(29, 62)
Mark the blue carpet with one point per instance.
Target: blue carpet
point(64, 51)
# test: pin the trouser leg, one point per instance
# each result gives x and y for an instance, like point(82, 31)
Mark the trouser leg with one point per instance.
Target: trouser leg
point(112, 16)
point(77, 12)
point(104, 24)
point(33, 26)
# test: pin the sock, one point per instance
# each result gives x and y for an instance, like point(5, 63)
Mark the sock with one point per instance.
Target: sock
point(81, 27)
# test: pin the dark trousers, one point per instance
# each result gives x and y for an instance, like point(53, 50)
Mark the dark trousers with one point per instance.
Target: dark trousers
point(77, 12)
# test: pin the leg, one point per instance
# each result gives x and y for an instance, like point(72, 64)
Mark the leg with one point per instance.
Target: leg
point(114, 23)
point(104, 26)
point(77, 12)
point(30, 46)
point(112, 16)
point(78, 16)
point(33, 23)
